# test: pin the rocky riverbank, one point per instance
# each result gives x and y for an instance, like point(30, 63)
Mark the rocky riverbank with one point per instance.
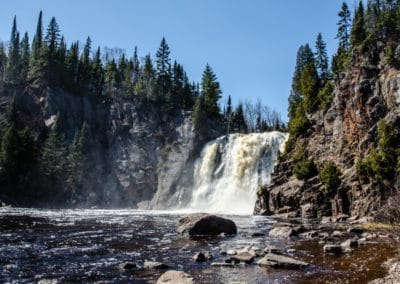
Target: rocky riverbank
point(356, 250)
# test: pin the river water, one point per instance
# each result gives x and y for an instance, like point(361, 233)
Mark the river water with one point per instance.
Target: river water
point(90, 245)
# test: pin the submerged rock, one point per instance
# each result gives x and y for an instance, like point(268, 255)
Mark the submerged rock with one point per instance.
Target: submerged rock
point(333, 249)
point(281, 261)
point(128, 265)
point(202, 257)
point(244, 256)
point(154, 265)
point(175, 277)
point(203, 224)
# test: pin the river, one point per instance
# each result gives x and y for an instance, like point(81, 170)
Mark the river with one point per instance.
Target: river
point(90, 246)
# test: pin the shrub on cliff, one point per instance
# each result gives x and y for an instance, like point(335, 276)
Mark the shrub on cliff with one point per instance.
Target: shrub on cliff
point(325, 96)
point(381, 162)
point(329, 176)
point(303, 168)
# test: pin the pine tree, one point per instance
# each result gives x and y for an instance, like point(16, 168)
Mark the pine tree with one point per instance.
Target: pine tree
point(84, 67)
point(211, 91)
point(358, 32)
point(163, 61)
point(37, 60)
point(310, 87)
point(25, 57)
point(52, 43)
point(3, 61)
point(97, 74)
point(72, 62)
point(304, 57)
point(343, 28)
point(148, 76)
point(53, 157)
point(136, 67)
point(13, 66)
point(229, 114)
point(239, 122)
point(321, 58)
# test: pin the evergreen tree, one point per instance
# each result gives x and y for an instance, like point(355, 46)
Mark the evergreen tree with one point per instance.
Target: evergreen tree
point(52, 43)
point(37, 60)
point(84, 67)
point(72, 62)
point(163, 61)
point(148, 76)
point(25, 57)
point(229, 114)
point(344, 28)
point(304, 57)
point(358, 32)
point(211, 91)
point(310, 87)
point(239, 122)
point(97, 74)
point(13, 66)
point(136, 67)
point(321, 58)
point(53, 158)
point(18, 153)
point(3, 61)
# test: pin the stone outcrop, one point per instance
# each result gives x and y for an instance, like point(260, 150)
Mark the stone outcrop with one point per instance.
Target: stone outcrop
point(369, 91)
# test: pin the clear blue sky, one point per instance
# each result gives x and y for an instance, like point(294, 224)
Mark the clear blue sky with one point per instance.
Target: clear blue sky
point(250, 44)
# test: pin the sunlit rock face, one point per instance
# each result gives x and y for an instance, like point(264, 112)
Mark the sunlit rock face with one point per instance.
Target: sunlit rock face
point(365, 94)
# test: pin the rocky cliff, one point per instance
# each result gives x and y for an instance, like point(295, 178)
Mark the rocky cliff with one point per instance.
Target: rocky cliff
point(368, 92)
point(139, 154)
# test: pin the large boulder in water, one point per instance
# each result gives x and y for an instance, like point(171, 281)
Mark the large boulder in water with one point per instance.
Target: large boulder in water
point(203, 224)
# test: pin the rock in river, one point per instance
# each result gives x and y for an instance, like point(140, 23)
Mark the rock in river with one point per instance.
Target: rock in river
point(175, 277)
point(154, 265)
point(281, 261)
point(202, 224)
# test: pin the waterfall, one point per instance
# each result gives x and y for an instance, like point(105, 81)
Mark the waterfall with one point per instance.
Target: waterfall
point(230, 170)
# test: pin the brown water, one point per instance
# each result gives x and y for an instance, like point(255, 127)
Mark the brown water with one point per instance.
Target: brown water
point(89, 246)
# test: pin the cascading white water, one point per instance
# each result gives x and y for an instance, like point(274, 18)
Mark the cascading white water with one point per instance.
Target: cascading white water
point(230, 170)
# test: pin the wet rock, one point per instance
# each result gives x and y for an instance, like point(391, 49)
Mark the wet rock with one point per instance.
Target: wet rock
point(245, 256)
point(199, 257)
point(175, 277)
point(291, 250)
point(273, 250)
point(309, 235)
point(362, 241)
point(154, 265)
point(281, 261)
point(333, 249)
point(202, 224)
point(337, 234)
point(128, 266)
point(355, 230)
point(282, 232)
point(222, 264)
point(351, 243)
point(257, 234)
point(202, 257)
point(231, 252)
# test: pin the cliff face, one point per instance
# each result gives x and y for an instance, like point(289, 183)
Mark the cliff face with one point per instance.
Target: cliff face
point(137, 151)
point(368, 92)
